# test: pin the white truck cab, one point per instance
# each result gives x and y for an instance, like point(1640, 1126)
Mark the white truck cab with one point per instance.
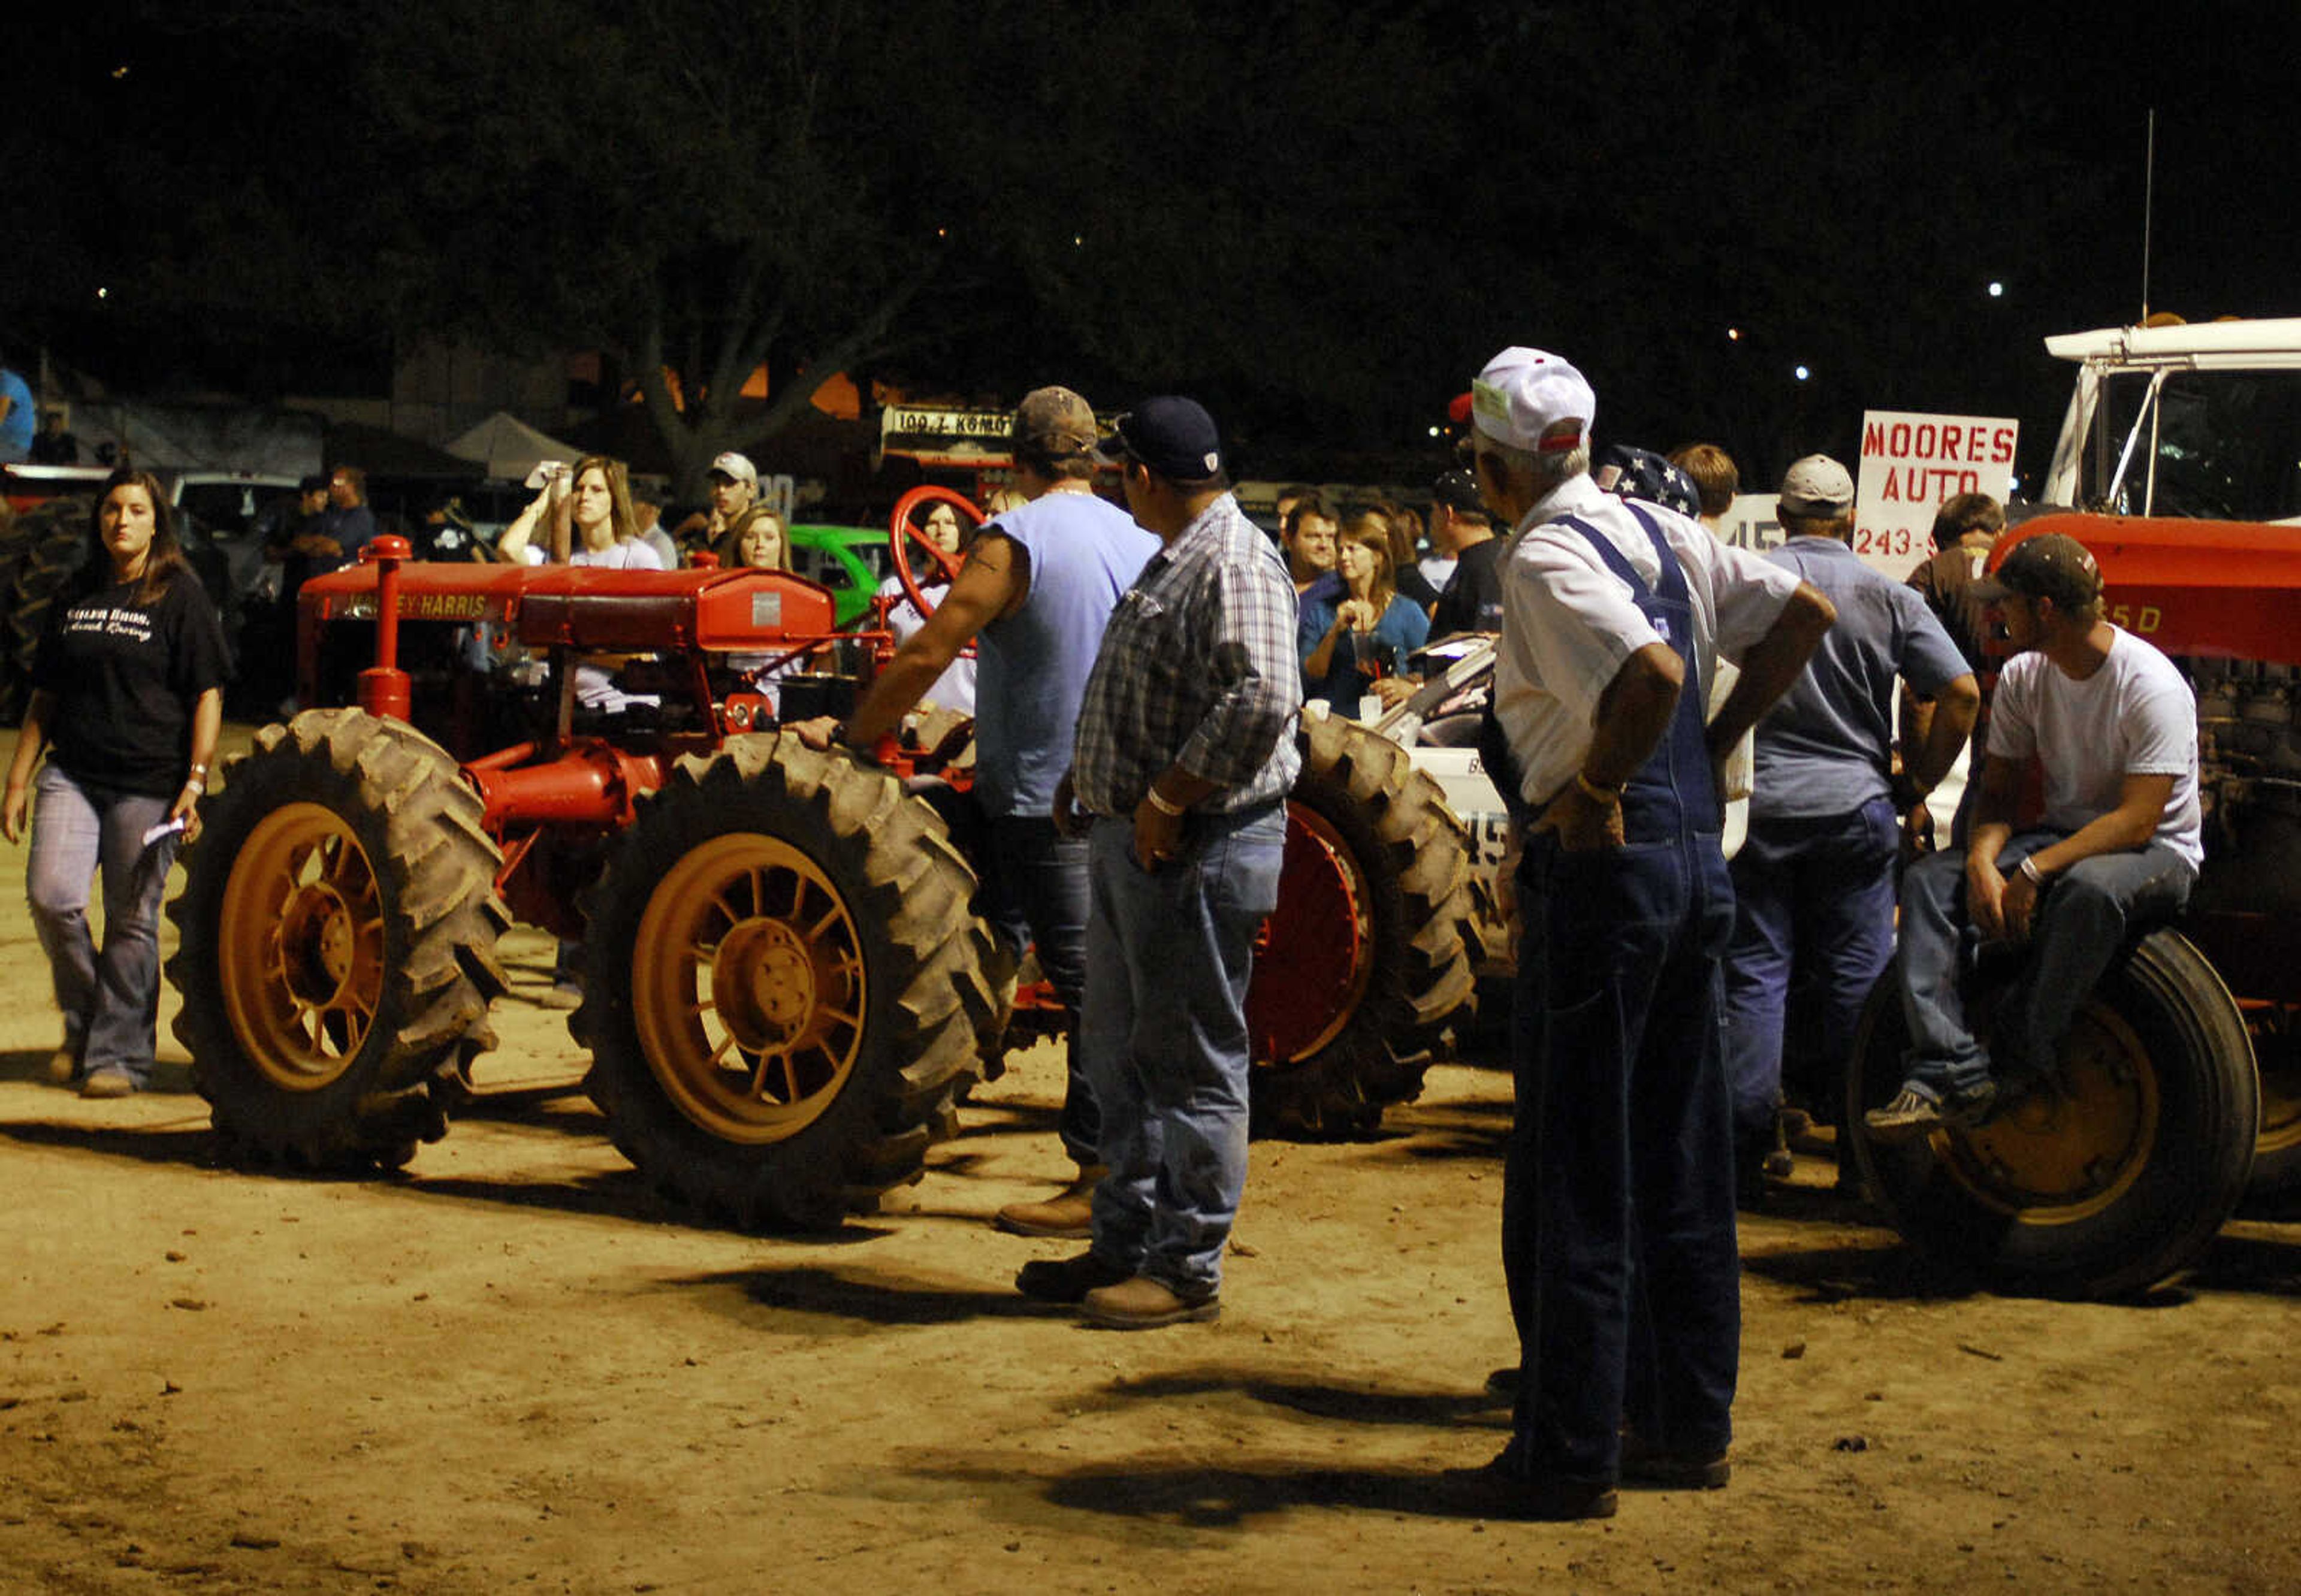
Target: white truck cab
point(2181, 419)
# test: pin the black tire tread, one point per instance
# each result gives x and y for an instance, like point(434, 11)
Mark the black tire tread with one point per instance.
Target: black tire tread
point(934, 999)
point(1423, 979)
point(420, 824)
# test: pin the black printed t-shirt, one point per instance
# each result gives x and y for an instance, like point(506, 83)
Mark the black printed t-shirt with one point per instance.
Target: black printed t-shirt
point(125, 680)
point(1473, 598)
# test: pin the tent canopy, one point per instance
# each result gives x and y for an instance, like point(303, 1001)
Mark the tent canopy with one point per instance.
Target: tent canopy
point(509, 448)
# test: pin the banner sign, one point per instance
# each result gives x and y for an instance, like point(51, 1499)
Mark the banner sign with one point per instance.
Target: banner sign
point(943, 436)
point(1911, 464)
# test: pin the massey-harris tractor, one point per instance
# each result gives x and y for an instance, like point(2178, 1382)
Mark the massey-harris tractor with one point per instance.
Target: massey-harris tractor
point(786, 992)
point(2120, 1168)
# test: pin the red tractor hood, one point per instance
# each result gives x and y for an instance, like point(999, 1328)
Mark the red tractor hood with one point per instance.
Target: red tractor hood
point(2219, 590)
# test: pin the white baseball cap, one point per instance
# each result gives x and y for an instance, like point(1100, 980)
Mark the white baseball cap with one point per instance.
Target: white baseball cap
point(1533, 400)
point(735, 468)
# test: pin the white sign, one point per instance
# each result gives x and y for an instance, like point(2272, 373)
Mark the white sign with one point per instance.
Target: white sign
point(1911, 464)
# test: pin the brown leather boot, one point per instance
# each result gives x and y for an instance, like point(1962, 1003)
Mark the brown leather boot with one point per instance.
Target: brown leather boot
point(1067, 1215)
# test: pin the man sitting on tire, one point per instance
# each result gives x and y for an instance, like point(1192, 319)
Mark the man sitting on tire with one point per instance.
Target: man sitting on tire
point(2114, 726)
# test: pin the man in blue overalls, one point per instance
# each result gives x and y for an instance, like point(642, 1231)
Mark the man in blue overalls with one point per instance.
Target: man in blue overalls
point(1617, 1207)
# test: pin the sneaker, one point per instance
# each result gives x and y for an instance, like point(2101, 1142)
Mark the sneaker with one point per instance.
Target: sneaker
point(108, 1083)
point(1067, 1215)
point(561, 994)
point(1911, 1116)
point(1142, 1303)
point(1068, 1280)
point(1669, 1468)
point(63, 1063)
point(1501, 1489)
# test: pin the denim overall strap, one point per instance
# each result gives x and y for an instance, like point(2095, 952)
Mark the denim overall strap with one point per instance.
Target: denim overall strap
point(1674, 793)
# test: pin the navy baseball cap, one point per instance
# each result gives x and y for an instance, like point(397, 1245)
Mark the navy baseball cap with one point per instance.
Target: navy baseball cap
point(1172, 435)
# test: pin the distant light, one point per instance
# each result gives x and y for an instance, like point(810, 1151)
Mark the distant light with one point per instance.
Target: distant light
point(2013, 484)
point(1804, 372)
point(1733, 335)
point(1997, 290)
point(1078, 240)
point(943, 233)
point(103, 293)
point(1435, 433)
point(119, 72)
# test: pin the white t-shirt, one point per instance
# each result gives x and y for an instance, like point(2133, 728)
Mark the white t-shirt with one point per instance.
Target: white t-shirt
point(595, 686)
point(1568, 622)
point(955, 688)
point(2135, 716)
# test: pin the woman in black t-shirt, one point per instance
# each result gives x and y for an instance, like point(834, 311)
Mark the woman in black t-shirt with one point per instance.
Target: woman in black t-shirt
point(128, 697)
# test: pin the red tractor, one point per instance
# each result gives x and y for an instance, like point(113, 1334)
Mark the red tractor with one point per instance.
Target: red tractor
point(2156, 1122)
point(786, 992)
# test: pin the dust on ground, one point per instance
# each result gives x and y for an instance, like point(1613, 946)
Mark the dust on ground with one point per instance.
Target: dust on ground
point(515, 1366)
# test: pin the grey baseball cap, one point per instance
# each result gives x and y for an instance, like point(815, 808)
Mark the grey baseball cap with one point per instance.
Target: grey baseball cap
point(1817, 488)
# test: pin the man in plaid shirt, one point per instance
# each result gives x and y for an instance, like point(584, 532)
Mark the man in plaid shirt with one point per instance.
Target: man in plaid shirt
point(1184, 758)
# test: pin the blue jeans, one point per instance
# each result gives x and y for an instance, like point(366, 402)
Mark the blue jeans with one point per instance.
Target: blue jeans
point(110, 999)
point(1813, 923)
point(2087, 913)
point(1165, 1040)
point(1034, 894)
point(1618, 1222)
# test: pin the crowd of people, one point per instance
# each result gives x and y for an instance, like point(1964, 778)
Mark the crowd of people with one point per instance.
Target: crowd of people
point(1135, 675)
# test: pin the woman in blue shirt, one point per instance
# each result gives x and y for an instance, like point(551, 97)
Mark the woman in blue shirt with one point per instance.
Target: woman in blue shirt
point(1350, 639)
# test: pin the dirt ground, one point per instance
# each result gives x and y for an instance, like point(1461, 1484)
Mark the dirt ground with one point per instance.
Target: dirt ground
point(514, 1366)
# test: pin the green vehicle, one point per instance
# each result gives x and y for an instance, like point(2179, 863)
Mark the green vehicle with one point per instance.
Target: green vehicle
point(851, 560)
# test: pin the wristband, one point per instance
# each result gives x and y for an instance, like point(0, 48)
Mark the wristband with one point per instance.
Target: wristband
point(1158, 801)
point(1604, 795)
point(2030, 870)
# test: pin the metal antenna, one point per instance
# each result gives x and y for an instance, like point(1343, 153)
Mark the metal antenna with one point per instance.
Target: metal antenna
point(2148, 204)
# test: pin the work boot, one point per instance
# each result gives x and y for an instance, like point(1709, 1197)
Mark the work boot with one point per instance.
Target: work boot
point(64, 1064)
point(1067, 1280)
point(1142, 1303)
point(1501, 1489)
point(1669, 1468)
point(1067, 1215)
point(108, 1083)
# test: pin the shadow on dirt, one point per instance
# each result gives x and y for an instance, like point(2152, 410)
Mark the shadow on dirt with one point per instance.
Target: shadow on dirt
point(1354, 1405)
point(863, 1297)
point(1191, 1497)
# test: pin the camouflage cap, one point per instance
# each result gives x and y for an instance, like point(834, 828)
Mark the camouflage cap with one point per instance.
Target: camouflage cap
point(1055, 422)
point(2047, 565)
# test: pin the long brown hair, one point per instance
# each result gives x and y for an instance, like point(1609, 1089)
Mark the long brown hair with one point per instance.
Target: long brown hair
point(162, 565)
point(1371, 529)
point(621, 522)
point(731, 546)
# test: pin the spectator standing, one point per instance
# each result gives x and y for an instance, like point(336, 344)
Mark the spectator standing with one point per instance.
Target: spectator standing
point(344, 528)
point(1472, 600)
point(647, 510)
point(1716, 480)
point(1813, 882)
point(955, 688)
point(1966, 528)
point(51, 445)
point(128, 697)
point(1356, 640)
point(1618, 1194)
point(1404, 530)
point(584, 513)
point(18, 420)
point(1308, 537)
point(2113, 725)
point(1034, 596)
point(1185, 755)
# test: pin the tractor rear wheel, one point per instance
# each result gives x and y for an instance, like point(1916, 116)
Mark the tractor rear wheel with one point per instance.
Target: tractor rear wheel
point(2108, 1178)
point(785, 987)
point(1370, 956)
point(337, 929)
point(45, 549)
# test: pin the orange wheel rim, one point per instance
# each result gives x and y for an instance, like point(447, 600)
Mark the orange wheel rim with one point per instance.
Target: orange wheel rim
point(2075, 1146)
point(301, 943)
point(748, 988)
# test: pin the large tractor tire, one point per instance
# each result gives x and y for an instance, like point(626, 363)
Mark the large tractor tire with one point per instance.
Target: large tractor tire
point(1370, 956)
point(785, 986)
point(44, 549)
point(338, 934)
point(2108, 1179)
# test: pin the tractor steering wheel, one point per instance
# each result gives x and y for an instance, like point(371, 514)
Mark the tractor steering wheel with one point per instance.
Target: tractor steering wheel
point(903, 532)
